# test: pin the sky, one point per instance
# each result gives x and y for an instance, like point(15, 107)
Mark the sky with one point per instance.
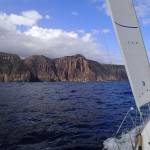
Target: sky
point(57, 28)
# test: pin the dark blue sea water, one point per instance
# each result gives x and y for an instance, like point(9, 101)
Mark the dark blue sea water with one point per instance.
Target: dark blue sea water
point(61, 115)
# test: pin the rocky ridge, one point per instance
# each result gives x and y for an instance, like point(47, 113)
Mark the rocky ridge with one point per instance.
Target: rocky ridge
point(69, 68)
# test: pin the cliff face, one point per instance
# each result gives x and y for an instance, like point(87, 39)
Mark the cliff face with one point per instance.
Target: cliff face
point(107, 72)
point(12, 68)
point(42, 68)
point(74, 68)
point(69, 68)
point(78, 68)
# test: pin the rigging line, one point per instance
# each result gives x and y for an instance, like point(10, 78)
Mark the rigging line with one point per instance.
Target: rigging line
point(136, 116)
point(117, 143)
point(129, 133)
point(124, 119)
point(132, 142)
point(145, 113)
point(112, 67)
point(114, 75)
point(129, 137)
point(114, 146)
point(134, 124)
point(148, 106)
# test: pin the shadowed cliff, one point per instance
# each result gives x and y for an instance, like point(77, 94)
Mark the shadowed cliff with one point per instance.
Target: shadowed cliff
point(69, 68)
point(12, 68)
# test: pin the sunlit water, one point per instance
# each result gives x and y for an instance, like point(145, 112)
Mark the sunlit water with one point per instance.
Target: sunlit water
point(57, 116)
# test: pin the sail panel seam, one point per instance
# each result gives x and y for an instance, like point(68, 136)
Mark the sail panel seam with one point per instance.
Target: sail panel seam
point(124, 25)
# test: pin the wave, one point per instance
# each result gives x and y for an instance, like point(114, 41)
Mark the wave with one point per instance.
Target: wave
point(125, 142)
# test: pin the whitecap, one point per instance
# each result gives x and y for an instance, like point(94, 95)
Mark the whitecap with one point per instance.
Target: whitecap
point(125, 142)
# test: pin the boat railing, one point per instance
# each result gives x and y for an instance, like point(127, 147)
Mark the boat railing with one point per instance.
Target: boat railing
point(138, 120)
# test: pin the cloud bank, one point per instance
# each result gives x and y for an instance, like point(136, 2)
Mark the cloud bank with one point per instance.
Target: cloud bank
point(53, 43)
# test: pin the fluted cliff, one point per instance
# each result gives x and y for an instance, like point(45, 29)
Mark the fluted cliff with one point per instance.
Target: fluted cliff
point(68, 68)
point(42, 68)
point(74, 68)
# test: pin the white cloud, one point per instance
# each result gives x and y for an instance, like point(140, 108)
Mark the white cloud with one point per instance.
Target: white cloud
point(75, 13)
point(53, 43)
point(146, 21)
point(47, 17)
point(143, 7)
point(6, 24)
point(106, 31)
point(32, 14)
point(95, 1)
point(95, 31)
point(48, 34)
point(81, 31)
point(56, 43)
point(27, 18)
point(143, 10)
point(101, 6)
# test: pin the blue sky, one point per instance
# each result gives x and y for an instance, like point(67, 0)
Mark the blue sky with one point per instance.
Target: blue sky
point(56, 28)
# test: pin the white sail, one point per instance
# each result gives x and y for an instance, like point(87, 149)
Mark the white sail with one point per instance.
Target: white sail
point(132, 47)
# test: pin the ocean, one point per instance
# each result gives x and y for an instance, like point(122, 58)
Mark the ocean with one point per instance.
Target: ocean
point(63, 115)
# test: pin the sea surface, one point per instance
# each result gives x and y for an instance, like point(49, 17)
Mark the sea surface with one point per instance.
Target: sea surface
point(62, 115)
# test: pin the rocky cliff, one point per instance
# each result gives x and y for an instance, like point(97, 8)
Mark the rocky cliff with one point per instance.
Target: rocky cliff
point(107, 72)
point(12, 68)
point(69, 68)
point(42, 68)
point(74, 68)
